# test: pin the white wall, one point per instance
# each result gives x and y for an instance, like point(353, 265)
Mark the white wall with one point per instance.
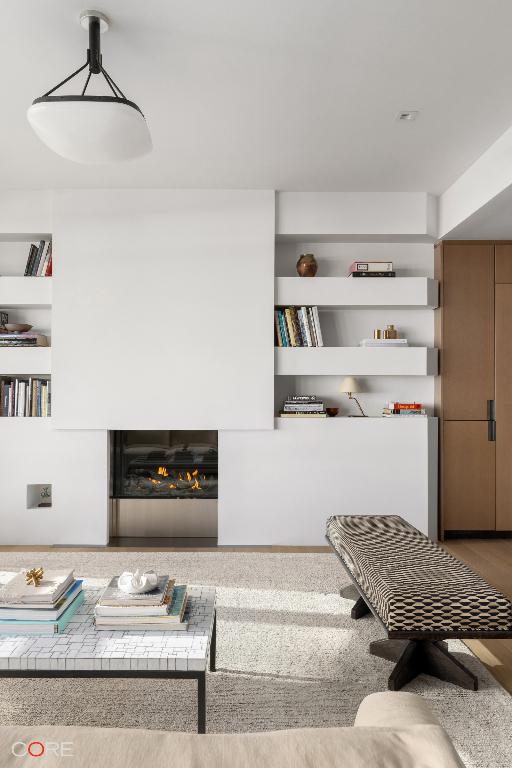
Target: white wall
point(280, 487)
point(387, 215)
point(74, 462)
point(162, 314)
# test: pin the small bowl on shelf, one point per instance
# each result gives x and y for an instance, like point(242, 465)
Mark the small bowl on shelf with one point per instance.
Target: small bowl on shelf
point(332, 411)
point(17, 327)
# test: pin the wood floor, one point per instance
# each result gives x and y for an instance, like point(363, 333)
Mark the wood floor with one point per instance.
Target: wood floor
point(492, 558)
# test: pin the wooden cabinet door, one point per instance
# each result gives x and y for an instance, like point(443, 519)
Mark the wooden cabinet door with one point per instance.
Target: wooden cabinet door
point(504, 407)
point(468, 477)
point(503, 262)
point(467, 353)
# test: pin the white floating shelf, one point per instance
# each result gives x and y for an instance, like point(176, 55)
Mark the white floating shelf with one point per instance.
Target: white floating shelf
point(25, 292)
point(34, 361)
point(356, 361)
point(337, 292)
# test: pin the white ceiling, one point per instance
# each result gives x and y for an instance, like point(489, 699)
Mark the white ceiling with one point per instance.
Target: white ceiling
point(284, 94)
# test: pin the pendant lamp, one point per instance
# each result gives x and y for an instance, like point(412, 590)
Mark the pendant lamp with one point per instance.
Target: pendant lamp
point(91, 129)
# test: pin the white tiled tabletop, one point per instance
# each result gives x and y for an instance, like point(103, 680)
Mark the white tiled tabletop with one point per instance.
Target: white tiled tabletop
point(82, 647)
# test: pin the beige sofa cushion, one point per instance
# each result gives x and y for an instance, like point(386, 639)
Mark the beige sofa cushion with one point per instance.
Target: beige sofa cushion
point(394, 710)
point(420, 746)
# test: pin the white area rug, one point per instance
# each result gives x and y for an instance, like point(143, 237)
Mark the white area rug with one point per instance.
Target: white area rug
point(288, 655)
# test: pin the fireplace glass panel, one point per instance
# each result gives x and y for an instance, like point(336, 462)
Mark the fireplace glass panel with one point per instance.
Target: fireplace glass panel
point(175, 464)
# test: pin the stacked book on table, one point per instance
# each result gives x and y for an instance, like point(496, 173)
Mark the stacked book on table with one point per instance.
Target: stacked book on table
point(402, 410)
point(161, 610)
point(371, 269)
point(384, 343)
point(43, 610)
point(303, 407)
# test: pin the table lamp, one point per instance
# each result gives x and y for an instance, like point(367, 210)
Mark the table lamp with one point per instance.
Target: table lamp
point(348, 386)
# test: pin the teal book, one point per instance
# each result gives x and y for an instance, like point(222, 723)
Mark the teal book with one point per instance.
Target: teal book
point(42, 627)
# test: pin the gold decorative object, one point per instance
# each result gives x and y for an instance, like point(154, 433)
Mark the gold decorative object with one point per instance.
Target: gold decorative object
point(34, 576)
point(391, 332)
point(307, 265)
point(377, 334)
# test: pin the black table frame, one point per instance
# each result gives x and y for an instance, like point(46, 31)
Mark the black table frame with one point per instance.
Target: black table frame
point(167, 674)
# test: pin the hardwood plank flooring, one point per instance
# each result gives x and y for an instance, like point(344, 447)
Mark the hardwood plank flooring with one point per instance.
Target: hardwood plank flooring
point(492, 559)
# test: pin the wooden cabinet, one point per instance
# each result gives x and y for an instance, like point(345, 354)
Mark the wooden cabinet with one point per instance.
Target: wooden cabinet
point(468, 495)
point(504, 406)
point(474, 392)
point(467, 346)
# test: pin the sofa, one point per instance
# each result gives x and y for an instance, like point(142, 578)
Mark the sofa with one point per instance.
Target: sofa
point(391, 730)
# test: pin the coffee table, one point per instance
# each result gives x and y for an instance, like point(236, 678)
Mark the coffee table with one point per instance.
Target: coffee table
point(83, 651)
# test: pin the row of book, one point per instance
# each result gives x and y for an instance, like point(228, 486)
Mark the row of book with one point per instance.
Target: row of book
point(27, 339)
point(25, 397)
point(45, 609)
point(371, 269)
point(162, 609)
point(39, 262)
point(297, 327)
point(303, 407)
point(401, 410)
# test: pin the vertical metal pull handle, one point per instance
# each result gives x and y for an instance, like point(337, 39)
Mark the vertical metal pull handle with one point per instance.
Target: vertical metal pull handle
point(491, 420)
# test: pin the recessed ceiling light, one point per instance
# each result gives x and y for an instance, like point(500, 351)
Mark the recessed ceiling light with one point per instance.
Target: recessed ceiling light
point(408, 114)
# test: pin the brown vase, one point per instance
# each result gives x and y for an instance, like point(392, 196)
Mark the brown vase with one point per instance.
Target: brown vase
point(307, 265)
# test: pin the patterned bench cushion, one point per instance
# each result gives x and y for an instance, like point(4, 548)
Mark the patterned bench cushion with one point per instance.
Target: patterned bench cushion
point(412, 583)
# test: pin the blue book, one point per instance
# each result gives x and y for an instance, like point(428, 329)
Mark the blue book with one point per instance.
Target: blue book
point(41, 612)
point(42, 627)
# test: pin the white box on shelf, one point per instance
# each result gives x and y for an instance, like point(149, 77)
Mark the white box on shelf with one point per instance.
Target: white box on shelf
point(332, 292)
point(35, 361)
point(25, 292)
point(356, 361)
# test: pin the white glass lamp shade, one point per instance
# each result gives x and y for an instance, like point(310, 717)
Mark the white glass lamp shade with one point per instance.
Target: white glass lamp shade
point(91, 129)
point(349, 385)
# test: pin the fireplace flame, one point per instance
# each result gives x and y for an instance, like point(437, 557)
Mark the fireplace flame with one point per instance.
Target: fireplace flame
point(190, 477)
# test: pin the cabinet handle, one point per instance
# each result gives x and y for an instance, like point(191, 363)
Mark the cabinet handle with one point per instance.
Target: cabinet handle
point(491, 420)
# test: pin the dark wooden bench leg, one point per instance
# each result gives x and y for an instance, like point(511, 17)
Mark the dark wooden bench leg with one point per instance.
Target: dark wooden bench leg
point(415, 657)
point(359, 609)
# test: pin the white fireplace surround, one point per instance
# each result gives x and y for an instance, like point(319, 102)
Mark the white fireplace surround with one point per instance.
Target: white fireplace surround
point(162, 318)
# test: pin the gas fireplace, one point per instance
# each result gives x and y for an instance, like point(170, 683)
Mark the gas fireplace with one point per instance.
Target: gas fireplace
point(164, 483)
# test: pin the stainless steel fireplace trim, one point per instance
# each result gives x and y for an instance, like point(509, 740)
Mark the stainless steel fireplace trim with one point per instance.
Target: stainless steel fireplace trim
point(173, 518)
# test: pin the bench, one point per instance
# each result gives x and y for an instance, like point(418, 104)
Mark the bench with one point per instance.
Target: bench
point(420, 594)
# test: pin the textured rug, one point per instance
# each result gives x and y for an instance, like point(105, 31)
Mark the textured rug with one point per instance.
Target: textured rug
point(288, 655)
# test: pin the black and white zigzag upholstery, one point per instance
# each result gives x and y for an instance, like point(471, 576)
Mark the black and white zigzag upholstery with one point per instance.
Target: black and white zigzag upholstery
point(411, 582)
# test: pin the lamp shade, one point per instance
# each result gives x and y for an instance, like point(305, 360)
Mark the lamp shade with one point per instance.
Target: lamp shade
point(349, 385)
point(91, 129)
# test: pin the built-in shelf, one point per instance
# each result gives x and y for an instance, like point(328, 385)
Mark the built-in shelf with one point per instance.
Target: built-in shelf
point(356, 361)
point(339, 292)
point(35, 361)
point(337, 422)
point(25, 292)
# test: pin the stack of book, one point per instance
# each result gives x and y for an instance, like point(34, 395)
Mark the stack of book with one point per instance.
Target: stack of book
point(25, 397)
point(39, 262)
point(400, 410)
point(161, 610)
point(43, 610)
point(371, 269)
point(297, 327)
point(384, 343)
point(303, 407)
point(27, 339)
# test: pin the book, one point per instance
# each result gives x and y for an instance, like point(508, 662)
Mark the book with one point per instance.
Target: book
point(30, 261)
point(304, 407)
point(297, 327)
point(38, 257)
point(51, 588)
point(31, 612)
point(162, 609)
point(114, 596)
point(316, 323)
point(372, 274)
point(173, 619)
point(410, 406)
point(42, 627)
point(384, 343)
point(371, 266)
point(279, 338)
point(302, 415)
